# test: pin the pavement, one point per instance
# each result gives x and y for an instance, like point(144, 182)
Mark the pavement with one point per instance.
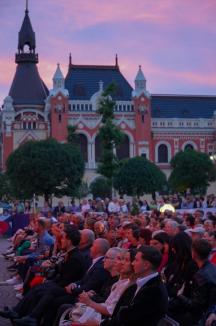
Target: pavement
point(7, 293)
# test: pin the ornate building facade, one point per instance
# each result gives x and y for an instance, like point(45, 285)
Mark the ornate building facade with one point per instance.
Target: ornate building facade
point(155, 126)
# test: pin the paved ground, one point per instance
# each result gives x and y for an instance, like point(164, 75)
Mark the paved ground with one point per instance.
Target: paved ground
point(7, 293)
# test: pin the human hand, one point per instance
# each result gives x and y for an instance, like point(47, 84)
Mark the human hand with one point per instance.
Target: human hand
point(69, 288)
point(91, 293)
point(46, 263)
point(84, 298)
point(20, 259)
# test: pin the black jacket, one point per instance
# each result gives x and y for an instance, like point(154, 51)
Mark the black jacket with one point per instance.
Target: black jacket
point(146, 308)
point(203, 292)
point(71, 269)
point(93, 279)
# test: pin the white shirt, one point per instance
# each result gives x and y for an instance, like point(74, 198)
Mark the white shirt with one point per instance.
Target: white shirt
point(116, 291)
point(110, 303)
point(113, 207)
point(143, 280)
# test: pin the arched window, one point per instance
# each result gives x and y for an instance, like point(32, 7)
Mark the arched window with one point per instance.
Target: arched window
point(162, 154)
point(98, 149)
point(82, 142)
point(189, 146)
point(123, 150)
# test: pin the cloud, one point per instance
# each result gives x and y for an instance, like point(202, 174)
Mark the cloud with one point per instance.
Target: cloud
point(174, 41)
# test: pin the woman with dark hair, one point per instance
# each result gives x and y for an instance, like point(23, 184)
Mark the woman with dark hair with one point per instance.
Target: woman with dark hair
point(161, 241)
point(145, 236)
point(179, 273)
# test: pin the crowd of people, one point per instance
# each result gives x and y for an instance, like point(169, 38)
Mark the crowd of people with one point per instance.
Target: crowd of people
point(101, 263)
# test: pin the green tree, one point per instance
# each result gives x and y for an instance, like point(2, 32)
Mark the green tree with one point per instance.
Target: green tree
point(5, 189)
point(138, 176)
point(109, 134)
point(191, 169)
point(82, 190)
point(100, 187)
point(71, 137)
point(44, 167)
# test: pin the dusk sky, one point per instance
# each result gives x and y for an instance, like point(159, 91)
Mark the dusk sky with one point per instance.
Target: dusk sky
point(173, 40)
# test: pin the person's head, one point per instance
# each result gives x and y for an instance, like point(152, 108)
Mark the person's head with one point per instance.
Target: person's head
point(60, 204)
point(190, 220)
point(113, 221)
point(99, 248)
point(197, 232)
point(198, 214)
point(77, 220)
point(181, 247)
point(171, 228)
point(209, 225)
point(145, 236)
point(111, 236)
point(56, 230)
point(111, 259)
point(132, 233)
point(99, 228)
point(147, 261)
point(211, 238)
point(200, 251)
point(87, 239)
point(128, 257)
point(70, 237)
point(41, 225)
point(85, 201)
point(160, 241)
point(90, 222)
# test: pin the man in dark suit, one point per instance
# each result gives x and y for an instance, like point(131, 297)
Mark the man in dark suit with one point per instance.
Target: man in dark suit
point(144, 303)
point(51, 299)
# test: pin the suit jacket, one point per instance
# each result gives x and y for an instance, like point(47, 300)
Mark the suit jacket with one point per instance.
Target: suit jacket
point(93, 279)
point(146, 308)
point(72, 268)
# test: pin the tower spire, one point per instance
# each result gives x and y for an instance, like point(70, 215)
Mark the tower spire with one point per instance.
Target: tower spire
point(116, 60)
point(26, 11)
point(26, 41)
point(70, 60)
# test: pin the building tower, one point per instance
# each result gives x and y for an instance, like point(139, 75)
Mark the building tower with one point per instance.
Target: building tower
point(23, 115)
point(142, 109)
point(58, 100)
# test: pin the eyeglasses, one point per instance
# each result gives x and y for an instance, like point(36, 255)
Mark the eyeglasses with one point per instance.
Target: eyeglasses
point(106, 257)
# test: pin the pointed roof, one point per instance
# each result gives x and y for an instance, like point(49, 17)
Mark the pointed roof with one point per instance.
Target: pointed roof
point(82, 81)
point(140, 76)
point(26, 34)
point(27, 86)
point(58, 74)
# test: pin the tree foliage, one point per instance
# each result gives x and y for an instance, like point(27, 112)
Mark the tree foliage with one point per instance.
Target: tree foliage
point(137, 176)
point(71, 137)
point(45, 167)
point(191, 169)
point(109, 134)
point(5, 189)
point(100, 187)
point(82, 190)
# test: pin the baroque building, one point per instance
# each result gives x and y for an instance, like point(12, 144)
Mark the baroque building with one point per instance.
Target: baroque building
point(155, 126)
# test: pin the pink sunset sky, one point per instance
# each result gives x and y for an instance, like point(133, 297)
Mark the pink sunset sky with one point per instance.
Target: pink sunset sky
point(173, 40)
